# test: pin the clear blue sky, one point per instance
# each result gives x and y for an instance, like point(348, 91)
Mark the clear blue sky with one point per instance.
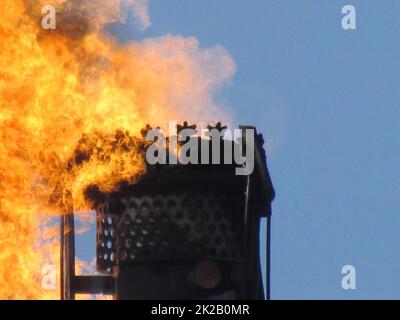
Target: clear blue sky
point(327, 101)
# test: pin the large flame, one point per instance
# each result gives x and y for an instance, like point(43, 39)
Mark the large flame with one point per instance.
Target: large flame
point(67, 99)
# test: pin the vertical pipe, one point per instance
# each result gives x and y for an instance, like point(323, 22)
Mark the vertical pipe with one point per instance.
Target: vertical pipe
point(67, 254)
point(251, 254)
point(268, 258)
point(246, 242)
point(62, 268)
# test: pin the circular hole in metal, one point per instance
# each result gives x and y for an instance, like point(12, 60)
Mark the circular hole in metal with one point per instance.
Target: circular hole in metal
point(122, 232)
point(139, 244)
point(112, 256)
point(105, 232)
point(127, 219)
point(145, 232)
point(109, 220)
point(109, 244)
point(132, 231)
point(145, 209)
point(123, 255)
point(128, 243)
point(105, 256)
point(132, 256)
point(133, 205)
point(165, 244)
point(158, 208)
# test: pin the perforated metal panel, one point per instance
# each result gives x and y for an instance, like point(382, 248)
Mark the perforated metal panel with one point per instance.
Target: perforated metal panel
point(170, 239)
point(180, 227)
point(106, 239)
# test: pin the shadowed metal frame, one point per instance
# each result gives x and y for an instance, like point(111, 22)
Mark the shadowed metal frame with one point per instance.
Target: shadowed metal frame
point(71, 284)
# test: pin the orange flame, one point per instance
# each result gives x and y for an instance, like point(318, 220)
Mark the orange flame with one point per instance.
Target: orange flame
point(67, 99)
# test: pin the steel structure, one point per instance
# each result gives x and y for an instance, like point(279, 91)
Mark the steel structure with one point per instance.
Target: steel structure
point(180, 232)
